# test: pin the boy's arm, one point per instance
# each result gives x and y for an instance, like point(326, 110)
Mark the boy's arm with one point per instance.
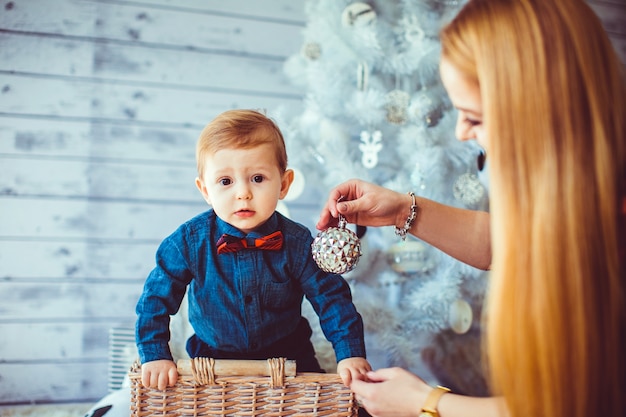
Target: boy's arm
point(342, 325)
point(330, 296)
point(331, 299)
point(162, 295)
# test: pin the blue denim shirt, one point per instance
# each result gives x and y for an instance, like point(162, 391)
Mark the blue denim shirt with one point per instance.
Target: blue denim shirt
point(246, 300)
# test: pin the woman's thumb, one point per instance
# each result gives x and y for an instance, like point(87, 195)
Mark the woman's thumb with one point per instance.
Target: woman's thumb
point(346, 207)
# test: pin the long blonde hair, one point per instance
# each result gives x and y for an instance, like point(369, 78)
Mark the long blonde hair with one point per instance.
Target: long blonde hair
point(554, 113)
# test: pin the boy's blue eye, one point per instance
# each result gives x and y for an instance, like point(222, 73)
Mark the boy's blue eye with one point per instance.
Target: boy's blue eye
point(225, 181)
point(257, 178)
point(472, 122)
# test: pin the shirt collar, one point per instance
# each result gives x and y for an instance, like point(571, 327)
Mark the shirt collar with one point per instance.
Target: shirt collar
point(270, 226)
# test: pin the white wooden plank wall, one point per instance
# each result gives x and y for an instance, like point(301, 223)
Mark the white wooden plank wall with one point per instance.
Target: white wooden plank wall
point(101, 103)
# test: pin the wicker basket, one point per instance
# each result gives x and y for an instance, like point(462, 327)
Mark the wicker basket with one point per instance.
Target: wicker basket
point(208, 387)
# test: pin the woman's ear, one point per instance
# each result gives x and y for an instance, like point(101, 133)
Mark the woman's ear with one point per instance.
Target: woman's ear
point(286, 183)
point(203, 190)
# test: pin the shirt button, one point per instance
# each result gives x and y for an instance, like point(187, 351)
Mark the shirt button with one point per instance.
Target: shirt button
point(247, 299)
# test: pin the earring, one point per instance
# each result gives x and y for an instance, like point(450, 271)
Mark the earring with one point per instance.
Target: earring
point(481, 159)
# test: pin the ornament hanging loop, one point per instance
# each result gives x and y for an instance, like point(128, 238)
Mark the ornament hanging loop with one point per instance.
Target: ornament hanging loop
point(342, 220)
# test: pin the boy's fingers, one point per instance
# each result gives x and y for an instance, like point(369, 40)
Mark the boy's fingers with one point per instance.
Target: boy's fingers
point(361, 375)
point(145, 379)
point(346, 377)
point(163, 380)
point(173, 376)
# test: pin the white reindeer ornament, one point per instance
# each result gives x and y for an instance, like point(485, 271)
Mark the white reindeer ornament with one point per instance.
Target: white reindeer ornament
point(372, 144)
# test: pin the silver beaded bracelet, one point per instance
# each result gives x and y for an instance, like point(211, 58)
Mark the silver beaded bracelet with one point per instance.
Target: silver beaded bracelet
point(409, 221)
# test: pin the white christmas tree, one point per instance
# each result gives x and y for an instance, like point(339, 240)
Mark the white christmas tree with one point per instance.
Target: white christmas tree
point(375, 109)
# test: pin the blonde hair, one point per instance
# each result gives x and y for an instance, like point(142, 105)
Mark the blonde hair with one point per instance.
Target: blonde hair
point(242, 129)
point(554, 112)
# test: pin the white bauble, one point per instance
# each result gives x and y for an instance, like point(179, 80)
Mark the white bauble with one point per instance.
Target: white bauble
point(460, 316)
point(410, 256)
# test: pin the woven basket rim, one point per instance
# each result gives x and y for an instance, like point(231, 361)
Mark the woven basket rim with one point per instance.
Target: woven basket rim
point(300, 394)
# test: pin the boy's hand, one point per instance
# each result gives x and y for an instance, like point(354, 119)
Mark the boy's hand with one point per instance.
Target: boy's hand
point(351, 369)
point(159, 374)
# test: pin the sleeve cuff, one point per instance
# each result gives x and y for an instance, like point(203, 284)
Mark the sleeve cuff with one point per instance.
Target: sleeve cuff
point(349, 349)
point(154, 352)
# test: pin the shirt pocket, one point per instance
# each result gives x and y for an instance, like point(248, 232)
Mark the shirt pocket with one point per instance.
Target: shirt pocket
point(278, 296)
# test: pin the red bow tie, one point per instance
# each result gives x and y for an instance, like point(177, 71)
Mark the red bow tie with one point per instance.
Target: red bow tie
point(228, 243)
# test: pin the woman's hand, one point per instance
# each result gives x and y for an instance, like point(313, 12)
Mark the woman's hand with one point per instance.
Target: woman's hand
point(461, 233)
point(395, 392)
point(365, 204)
point(391, 392)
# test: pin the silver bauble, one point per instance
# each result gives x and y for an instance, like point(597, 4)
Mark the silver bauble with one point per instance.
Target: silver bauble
point(336, 249)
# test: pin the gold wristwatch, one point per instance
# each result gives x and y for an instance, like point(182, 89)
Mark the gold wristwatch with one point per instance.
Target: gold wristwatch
point(430, 406)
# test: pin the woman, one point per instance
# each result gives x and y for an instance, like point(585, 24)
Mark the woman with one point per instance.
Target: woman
point(539, 86)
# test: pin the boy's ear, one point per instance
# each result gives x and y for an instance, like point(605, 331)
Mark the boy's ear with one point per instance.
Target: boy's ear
point(203, 190)
point(286, 183)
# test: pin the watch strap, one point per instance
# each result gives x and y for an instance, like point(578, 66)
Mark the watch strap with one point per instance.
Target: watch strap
point(430, 405)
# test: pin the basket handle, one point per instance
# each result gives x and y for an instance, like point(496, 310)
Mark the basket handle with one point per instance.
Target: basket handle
point(205, 370)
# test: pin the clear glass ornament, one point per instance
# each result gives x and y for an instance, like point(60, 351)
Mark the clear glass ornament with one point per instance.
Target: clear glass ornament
point(410, 256)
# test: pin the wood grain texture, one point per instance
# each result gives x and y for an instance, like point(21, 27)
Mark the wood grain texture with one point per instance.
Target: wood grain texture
point(238, 367)
point(52, 382)
point(147, 105)
point(66, 140)
point(37, 261)
point(134, 63)
point(115, 179)
point(148, 24)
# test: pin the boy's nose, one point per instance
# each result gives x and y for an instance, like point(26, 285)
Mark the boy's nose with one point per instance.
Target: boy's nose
point(243, 193)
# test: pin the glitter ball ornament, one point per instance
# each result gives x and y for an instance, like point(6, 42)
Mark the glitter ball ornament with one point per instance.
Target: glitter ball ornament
point(468, 189)
point(336, 249)
point(312, 50)
point(397, 106)
point(427, 107)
